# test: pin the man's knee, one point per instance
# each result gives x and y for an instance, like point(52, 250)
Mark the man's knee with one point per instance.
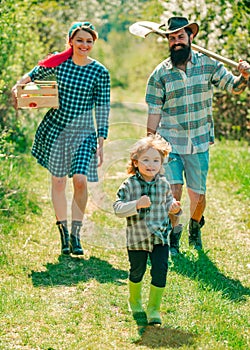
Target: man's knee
point(199, 198)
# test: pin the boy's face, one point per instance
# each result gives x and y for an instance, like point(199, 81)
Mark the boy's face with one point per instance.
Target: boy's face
point(149, 164)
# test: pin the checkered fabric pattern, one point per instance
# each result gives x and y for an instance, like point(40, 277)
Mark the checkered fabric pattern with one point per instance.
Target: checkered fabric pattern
point(66, 139)
point(149, 226)
point(184, 101)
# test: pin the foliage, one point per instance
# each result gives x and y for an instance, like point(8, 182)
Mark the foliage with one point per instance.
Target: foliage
point(16, 200)
point(232, 116)
point(134, 59)
point(49, 301)
point(235, 171)
point(19, 47)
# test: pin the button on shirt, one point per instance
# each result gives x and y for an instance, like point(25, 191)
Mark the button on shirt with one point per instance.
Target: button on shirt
point(184, 101)
point(147, 226)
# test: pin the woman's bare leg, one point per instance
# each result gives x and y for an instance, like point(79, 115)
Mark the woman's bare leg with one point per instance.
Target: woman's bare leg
point(59, 197)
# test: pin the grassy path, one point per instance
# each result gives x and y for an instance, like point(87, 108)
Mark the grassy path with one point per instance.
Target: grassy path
point(52, 302)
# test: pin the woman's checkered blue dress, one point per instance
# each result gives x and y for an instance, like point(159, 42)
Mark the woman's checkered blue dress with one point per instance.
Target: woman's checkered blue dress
point(66, 139)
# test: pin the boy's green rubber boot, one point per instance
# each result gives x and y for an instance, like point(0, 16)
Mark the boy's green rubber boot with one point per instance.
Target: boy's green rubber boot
point(154, 303)
point(135, 300)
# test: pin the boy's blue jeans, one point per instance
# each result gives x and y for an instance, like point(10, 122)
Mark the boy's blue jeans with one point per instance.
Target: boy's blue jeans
point(159, 264)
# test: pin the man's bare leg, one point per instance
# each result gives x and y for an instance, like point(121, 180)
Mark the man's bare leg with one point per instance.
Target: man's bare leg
point(175, 234)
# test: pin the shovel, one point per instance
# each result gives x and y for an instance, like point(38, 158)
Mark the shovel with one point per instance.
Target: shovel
point(144, 28)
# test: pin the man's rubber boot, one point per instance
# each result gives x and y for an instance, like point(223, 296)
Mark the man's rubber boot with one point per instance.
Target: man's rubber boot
point(154, 303)
point(194, 237)
point(174, 239)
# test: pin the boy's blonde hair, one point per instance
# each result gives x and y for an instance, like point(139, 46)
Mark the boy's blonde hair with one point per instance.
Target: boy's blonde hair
point(151, 141)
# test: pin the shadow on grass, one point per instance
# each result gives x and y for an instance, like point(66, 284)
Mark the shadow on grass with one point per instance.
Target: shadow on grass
point(70, 271)
point(206, 272)
point(163, 337)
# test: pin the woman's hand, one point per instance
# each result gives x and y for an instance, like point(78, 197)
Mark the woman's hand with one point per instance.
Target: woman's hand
point(24, 80)
point(14, 95)
point(99, 151)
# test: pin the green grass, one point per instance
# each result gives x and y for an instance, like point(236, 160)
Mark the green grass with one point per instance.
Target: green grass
point(52, 302)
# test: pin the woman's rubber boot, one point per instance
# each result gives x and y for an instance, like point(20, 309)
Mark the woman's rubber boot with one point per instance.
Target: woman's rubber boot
point(154, 304)
point(75, 243)
point(64, 234)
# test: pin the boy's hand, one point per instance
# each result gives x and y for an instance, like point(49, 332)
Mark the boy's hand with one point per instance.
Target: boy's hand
point(175, 207)
point(143, 202)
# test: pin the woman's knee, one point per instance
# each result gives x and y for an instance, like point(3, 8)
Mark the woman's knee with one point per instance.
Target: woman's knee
point(80, 182)
point(58, 184)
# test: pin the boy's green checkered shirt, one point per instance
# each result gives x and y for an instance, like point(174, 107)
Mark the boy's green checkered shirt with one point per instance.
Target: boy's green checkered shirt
point(150, 226)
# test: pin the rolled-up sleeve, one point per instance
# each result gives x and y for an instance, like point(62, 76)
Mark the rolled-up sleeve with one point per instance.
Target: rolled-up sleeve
point(123, 206)
point(155, 94)
point(222, 78)
point(40, 73)
point(124, 210)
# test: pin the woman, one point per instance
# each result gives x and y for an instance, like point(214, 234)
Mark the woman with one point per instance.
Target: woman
point(67, 142)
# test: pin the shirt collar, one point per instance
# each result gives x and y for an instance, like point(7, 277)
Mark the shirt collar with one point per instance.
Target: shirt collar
point(193, 57)
point(139, 176)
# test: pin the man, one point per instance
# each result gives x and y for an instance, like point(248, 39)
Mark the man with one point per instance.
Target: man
point(179, 97)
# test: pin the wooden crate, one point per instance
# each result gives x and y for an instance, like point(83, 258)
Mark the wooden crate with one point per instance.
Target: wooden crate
point(37, 95)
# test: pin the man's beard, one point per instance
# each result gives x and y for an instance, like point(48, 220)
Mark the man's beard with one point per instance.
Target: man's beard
point(180, 56)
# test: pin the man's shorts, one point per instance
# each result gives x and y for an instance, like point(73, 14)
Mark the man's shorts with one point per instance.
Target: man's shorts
point(192, 167)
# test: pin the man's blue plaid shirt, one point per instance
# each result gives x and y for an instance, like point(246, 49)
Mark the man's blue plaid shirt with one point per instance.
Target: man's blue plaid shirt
point(184, 101)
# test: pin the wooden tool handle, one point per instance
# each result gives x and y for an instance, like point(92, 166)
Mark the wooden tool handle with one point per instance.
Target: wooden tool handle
point(215, 56)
